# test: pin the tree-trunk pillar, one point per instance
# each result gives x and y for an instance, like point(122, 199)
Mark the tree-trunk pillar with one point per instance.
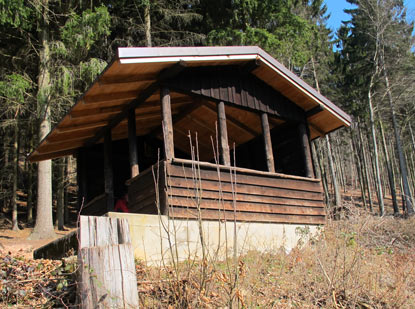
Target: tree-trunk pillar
point(108, 171)
point(267, 142)
point(305, 145)
point(224, 155)
point(132, 143)
point(167, 123)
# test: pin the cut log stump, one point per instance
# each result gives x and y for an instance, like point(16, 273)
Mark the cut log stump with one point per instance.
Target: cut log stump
point(107, 277)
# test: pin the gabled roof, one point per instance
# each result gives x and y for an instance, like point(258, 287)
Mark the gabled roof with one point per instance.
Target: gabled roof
point(132, 80)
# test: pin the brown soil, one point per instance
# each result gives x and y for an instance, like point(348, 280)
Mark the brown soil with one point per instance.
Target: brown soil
point(17, 242)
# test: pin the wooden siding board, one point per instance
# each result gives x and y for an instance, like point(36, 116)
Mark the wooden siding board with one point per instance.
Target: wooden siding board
point(180, 171)
point(211, 185)
point(206, 195)
point(245, 206)
point(209, 214)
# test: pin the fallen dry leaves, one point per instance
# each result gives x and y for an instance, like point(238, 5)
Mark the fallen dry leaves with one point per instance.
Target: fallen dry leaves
point(35, 283)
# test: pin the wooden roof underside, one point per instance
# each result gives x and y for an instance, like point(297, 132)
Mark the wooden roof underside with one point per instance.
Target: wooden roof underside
point(133, 79)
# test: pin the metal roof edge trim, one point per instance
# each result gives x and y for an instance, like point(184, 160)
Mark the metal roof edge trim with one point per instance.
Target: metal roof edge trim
point(150, 52)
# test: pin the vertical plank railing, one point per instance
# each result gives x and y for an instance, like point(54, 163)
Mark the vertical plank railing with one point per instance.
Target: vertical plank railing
point(107, 277)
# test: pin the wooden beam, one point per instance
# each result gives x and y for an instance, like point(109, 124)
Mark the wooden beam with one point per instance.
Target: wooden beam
point(235, 122)
point(224, 155)
point(315, 110)
point(93, 111)
point(176, 118)
point(117, 96)
point(167, 123)
point(127, 79)
point(36, 157)
point(108, 171)
point(81, 127)
point(251, 66)
point(132, 143)
point(315, 128)
point(267, 142)
point(305, 146)
point(142, 97)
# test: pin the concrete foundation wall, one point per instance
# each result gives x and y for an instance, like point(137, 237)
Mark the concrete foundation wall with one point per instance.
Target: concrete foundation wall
point(156, 238)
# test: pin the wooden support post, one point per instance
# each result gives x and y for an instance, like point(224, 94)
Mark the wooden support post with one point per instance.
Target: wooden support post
point(82, 178)
point(132, 143)
point(305, 146)
point(108, 172)
point(224, 155)
point(167, 123)
point(267, 141)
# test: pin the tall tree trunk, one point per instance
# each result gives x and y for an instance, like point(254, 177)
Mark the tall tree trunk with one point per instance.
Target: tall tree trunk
point(359, 169)
point(323, 175)
point(60, 195)
point(412, 137)
point(15, 224)
point(337, 196)
point(44, 222)
point(402, 161)
point(365, 168)
point(147, 23)
point(29, 214)
point(66, 197)
point(375, 149)
point(391, 177)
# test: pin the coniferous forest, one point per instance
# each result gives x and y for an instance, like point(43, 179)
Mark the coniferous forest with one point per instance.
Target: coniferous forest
point(51, 50)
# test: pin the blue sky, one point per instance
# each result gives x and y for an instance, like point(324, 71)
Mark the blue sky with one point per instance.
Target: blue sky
point(336, 7)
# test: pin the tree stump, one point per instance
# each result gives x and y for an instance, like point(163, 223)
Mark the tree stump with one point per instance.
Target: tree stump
point(107, 277)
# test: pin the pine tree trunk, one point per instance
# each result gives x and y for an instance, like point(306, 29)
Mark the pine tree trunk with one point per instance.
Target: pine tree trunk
point(359, 169)
point(402, 161)
point(29, 214)
point(66, 200)
point(147, 23)
point(60, 195)
point(365, 169)
point(337, 196)
point(391, 177)
point(323, 175)
point(44, 222)
point(15, 224)
point(375, 151)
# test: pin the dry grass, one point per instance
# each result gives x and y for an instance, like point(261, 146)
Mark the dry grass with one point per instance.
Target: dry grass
point(359, 262)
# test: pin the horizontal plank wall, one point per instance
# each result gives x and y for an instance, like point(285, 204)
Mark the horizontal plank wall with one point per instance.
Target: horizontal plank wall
point(244, 196)
point(142, 191)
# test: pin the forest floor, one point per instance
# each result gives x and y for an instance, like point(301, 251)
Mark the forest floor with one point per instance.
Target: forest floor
point(359, 261)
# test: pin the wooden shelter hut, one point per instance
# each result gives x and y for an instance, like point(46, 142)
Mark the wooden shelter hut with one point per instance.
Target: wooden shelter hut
point(223, 130)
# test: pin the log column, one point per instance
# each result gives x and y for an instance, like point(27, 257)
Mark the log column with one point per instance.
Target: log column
point(167, 123)
point(267, 141)
point(81, 163)
point(224, 155)
point(305, 146)
point(132, 143)
point(108, 171)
